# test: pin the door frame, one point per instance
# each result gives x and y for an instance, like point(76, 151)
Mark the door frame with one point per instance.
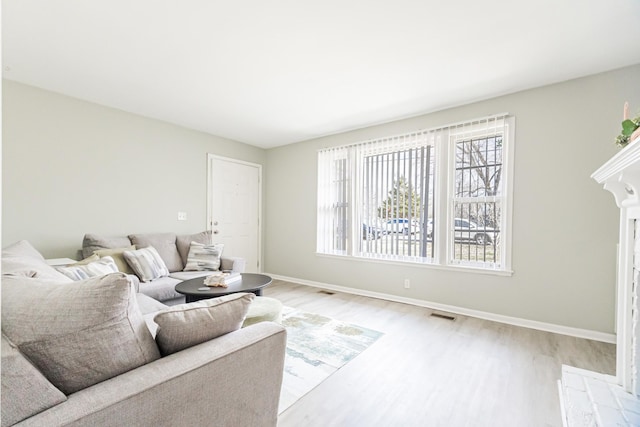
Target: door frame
point(210, 158)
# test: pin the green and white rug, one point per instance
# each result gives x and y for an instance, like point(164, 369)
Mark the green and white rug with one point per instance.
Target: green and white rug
point(317, 346)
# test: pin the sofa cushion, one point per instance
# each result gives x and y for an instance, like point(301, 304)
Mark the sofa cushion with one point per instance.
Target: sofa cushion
point(165, 244)
point(183, 243)
point(93, 242)
point(188, 275)
point(80, 333)
point(22, 249)
point(204, 257)
point(82, 271)
point(118, 257)
point(161, 289)
point(186, 325)
point(25, 391)
point(149, 307)
point(146, 263)
point(22, 259)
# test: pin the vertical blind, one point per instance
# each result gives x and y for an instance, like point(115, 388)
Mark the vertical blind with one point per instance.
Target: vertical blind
point(369, 187)
point(380, 198)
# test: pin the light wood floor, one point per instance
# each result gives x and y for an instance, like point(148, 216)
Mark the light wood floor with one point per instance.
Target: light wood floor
point(428, 371)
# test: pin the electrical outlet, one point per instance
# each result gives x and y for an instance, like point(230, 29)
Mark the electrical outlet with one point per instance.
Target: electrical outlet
point(182, 216)
point(407, 283)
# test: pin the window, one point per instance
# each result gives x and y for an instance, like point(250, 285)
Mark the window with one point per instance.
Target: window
point(437, 197)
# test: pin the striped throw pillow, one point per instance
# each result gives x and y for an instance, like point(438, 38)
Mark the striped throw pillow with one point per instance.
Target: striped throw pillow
point(83, 271)
point(146, 263)
point(204, 257)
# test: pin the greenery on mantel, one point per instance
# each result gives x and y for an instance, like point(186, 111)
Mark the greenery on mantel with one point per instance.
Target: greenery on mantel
point(629, 128)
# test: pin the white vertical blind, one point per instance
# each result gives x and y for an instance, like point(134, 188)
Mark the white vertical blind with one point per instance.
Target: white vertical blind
point(385, 198)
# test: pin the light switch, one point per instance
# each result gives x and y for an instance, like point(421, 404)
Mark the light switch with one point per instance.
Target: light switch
point(182, 216)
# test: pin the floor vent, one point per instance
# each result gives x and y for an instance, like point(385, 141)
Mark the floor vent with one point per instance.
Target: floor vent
point(443, 316)
point(325, 292)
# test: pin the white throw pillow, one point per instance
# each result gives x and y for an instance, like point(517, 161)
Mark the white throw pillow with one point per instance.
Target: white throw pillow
point(186, 325)
point(147, 263)
point(204, 257)
point(83, 271)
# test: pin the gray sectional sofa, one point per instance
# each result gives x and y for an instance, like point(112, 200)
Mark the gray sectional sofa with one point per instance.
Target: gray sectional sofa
point(80, 354)
point(172, 248)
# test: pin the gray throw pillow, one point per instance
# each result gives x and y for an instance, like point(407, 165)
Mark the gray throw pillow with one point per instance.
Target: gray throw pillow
point(25, 391)
point(183, 242)
point(186, 325)
point(80, 333)
point(165, 244)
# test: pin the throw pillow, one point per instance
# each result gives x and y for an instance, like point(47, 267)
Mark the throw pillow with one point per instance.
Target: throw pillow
point(165, 244)
point(146, 263)
point(22, 259)
point(87, 260)
point(184, 243)
point(21, 249)
point(25, 391)
point(186, 325)
point(204, 257)
point(80, 333)
point(118, 257)
point(82, 271)
point(93, 242)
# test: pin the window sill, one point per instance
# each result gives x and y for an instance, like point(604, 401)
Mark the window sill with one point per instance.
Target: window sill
point(421, 264)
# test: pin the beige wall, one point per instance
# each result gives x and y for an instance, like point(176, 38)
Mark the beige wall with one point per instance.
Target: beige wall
point(564, 224)
point(71, 167)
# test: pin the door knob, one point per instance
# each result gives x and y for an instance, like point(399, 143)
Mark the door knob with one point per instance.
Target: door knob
point(215, 231)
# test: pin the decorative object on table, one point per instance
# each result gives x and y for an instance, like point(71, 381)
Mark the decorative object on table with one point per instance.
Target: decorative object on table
point(317, 346)
point(221, 279)
point(630, 128)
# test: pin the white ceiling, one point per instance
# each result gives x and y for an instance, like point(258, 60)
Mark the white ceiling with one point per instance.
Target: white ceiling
point(270, 73)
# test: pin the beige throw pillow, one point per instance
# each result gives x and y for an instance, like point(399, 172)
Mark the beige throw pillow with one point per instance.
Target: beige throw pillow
point(79, 333)
point(186, 325)
point(118, 257)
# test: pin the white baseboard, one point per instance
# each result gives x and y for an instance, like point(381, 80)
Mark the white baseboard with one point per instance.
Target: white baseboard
point(516, 321)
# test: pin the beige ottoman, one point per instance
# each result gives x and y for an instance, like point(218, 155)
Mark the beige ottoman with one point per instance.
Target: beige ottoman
point(263, 309)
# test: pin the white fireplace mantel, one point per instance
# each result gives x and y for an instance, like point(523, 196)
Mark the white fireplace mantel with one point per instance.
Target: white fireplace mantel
point(621, 175)
point(593, 399)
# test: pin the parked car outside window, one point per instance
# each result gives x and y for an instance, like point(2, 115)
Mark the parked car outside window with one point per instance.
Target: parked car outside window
point(465, 230)
point(401, 225)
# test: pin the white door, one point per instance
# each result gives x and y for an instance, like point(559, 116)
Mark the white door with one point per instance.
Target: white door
point(234, 206)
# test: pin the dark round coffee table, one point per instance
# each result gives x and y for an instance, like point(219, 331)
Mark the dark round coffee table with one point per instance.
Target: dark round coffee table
point(250, 282)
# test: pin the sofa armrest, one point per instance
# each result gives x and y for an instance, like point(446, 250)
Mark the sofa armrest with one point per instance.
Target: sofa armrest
point(235, 264)
point(233, 380)
point(135, 281)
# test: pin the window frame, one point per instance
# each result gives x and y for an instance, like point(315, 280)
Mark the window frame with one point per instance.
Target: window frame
point(443, 231)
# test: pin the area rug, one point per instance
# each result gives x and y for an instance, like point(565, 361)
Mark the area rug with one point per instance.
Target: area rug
point(317, 346)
